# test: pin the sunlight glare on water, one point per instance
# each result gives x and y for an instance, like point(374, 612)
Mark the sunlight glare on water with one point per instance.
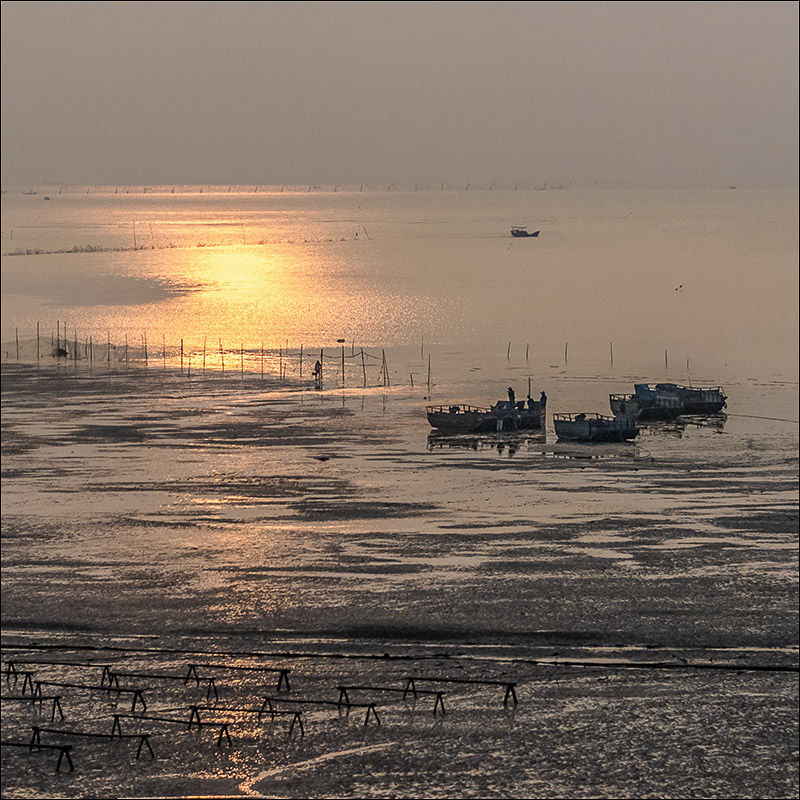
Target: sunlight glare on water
point(704, 275)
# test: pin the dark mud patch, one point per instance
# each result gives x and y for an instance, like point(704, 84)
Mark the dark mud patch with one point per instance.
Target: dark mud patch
point(776, 521)
point(357, 509)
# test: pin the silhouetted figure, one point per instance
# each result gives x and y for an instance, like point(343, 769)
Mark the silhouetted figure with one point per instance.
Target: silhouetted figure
point(317, 370)
point(511, 396)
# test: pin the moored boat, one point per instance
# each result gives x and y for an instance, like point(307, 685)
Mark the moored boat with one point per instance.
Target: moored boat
point(646, 406)
point(519, 231)
point(504, 415)
point(693, 400)
point(594, 428)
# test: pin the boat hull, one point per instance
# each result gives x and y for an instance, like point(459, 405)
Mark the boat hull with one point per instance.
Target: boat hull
point(457, 419)
point(646, 409)
point(689, 399)
point(595, 429)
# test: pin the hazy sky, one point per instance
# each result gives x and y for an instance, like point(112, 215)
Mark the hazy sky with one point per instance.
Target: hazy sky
point(675, 93)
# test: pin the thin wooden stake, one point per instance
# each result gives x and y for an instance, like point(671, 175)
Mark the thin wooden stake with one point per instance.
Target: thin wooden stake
point(181, 356)
point(611, 352)
point(508, 352)
point(37, 342)
point(364, 366)
point(16, 337)
point(221, 354)
point(566, 349)
point(429, 373)
point(205, 341)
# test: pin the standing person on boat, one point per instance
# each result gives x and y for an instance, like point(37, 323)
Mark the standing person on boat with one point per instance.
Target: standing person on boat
point(317, 370)
point(543, 399)
point(511, 396)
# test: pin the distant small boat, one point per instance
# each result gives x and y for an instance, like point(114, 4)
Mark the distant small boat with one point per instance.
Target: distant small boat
point(518, 231)
point(594, 428)
point(504, 415)
point(693, 400)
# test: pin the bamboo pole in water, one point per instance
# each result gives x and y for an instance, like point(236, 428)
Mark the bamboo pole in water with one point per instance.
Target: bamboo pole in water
point(181, 356)
point(164, 350)
point(205, 342)
point(241, 353)
point(364, 367)
point(221, 354)
point(37, 342)
point(16, 338)
point(301, 361)
point(429, 373)
point(611, 352)
point(566, 350)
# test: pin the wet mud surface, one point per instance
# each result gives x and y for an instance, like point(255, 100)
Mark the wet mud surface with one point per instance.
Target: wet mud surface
point(223, 515)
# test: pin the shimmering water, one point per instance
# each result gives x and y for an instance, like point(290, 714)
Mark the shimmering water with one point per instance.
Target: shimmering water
point(710, 277)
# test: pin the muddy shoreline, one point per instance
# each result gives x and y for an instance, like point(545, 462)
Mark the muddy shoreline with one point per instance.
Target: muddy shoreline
point(320, 531)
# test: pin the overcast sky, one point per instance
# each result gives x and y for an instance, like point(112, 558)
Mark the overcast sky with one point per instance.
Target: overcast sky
point(674, 93)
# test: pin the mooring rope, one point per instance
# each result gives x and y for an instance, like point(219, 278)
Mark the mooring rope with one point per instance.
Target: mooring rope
point(772, 419)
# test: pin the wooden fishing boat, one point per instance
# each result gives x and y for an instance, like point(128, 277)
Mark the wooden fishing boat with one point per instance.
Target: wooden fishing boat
point(693, 400)
point(594, 428)
point(518, 231)
point(504, 416)
point(645, 408)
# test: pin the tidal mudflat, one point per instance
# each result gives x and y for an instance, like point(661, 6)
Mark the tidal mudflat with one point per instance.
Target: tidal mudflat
point(642, 600)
